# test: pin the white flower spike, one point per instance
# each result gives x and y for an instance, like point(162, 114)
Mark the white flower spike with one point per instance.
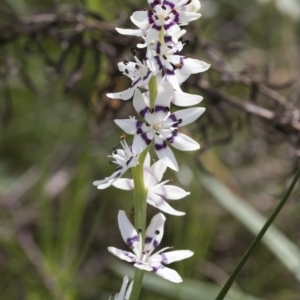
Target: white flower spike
point(161, 126)
point(157, 190)
point(123, 294)
point(142, 258)
point(125, 158)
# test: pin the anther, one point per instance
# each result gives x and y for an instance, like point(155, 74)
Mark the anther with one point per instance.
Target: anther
point(152, 110)
point(137, 67)
point(170, 47)
point(133, 51)
point(164, 57)
point(126, 71)
point(120, 73)
point(175, 130)
point(167, 109)
point(148, 125)
point(186, 42)
point(163, 7)
point(139, 230)
point(126, 62)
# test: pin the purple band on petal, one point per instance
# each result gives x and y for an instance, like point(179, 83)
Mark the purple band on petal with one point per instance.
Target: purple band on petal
point(156, 27)
point(150, 17)
point(139, 125)
point(172, 137)
point(147, 75)
point(155, 269)
point(158, 48)
point(170, 72)
point(162, 108)
point(164, 258)
point(168, 3)
point(119, 168)
point(133, 83)
point(132, 240)
point(146, 139)
point(158, 61)
point(149, 239)
point(168, 26)
point(159, 147)
point(143, 113)
point(129, 160)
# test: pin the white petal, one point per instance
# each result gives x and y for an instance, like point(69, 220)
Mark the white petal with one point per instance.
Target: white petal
point(163, 97)
point(170, 192)
point(188, 115)
point(121, 295)
point(143, 266)
point(125, 95)
point(186, 17)
point(128, 232)
point(135, 32)
point(140, 19)
point(124, 255)
point(168, 274)
point(183, 142)
point(124, 184)
point(152, 35)
point(128, 125)
point(139, 103)
point(127, 296)
point(169, 257)
point(185, 99)
point(141, 142)
point(165, 154)
point(158, 202)
point(154, 233)
point(156, 173)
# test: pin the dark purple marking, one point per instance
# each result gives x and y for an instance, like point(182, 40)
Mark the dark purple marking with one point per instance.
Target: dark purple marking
point(159, 147)
point(139, 125)
point(144, 111)
point(168, 26)
point(150, 17)
point(133, 83)
point(147, 75)
point(156, 27)
point(145, 138)
point(164, 259)
point(132, 240)
point(170, 72)
point(172, 137)
point(168, 3)
point(149, 239)
point(162, 108)
point(158, 48)
point(129, 160)
point(158, 61)
point(119, 168)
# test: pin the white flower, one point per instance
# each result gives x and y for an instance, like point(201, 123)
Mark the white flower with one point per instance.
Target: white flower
point(177, 68)
point(165, 16)
point(161, 126)
point(138, 72)
point(121, 295)
point(157, 190)
point(125, 158)
point(142, 258)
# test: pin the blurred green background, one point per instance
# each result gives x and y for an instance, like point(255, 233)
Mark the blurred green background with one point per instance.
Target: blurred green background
point(58, 59)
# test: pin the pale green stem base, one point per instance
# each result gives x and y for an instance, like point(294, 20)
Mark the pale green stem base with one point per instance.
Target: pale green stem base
point(256, 241)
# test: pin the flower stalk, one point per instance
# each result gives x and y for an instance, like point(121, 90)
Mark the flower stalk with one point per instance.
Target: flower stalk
point(256, 241)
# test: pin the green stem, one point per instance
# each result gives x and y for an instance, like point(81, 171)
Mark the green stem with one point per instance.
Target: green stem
point(140, 198)
point(258, 238)
point(152, 91)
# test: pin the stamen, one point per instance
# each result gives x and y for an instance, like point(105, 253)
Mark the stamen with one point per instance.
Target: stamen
point(133, 51)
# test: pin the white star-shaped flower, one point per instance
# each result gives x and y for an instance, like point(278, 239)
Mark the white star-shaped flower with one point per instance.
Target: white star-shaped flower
point(125, 158)
point(161, 126)
point(157, 190)
point(165, 16)
point(138, 72)
point(177, 67)
point(141, 257)
point(125, 291)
